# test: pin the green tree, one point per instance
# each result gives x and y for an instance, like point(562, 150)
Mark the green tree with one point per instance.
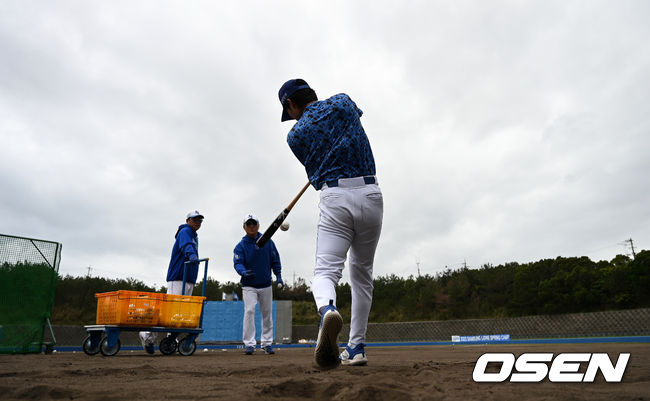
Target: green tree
point(548, 286)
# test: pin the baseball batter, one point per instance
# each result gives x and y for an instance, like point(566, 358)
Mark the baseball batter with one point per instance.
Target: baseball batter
point(329, 140)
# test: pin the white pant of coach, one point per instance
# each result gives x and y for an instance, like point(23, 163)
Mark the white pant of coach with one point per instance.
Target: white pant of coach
point(251, 297)
point(351, 216)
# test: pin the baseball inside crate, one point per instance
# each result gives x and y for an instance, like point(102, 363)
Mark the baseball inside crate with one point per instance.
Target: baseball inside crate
point(180, 310)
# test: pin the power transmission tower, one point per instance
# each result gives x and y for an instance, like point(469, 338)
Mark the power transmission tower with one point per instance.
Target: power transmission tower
point(89, 269)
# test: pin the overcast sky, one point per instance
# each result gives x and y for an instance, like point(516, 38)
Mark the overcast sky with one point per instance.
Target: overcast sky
point(503, 131)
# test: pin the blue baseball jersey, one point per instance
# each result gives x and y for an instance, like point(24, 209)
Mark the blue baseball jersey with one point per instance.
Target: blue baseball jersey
point(247, 256)
point(330, 142)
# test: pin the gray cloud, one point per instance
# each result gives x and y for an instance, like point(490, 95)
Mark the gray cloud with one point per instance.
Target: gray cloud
point(503, 131)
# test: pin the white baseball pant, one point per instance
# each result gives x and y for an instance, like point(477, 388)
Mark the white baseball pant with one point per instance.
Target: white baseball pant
point(251, 297)
point(351, 216)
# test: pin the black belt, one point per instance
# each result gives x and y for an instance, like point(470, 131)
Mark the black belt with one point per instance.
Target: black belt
point(366, 180)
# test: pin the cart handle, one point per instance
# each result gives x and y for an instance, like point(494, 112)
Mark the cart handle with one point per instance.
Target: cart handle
point(205, 274)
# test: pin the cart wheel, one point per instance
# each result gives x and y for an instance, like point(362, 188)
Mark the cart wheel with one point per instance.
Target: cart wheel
point(168, 345)
point(109, 351)
point(186, 347)
point(88, 348)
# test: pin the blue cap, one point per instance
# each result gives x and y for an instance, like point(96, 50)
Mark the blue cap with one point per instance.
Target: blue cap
point(289, 88)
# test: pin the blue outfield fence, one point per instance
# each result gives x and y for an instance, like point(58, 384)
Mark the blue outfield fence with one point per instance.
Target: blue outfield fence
point(223, 325)
point(587, 340)
point(223, 321)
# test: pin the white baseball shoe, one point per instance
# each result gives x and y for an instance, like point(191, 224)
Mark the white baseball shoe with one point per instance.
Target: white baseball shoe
point(354, 356)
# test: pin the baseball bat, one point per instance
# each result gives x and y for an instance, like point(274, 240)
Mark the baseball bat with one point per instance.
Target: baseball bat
point(278, 220)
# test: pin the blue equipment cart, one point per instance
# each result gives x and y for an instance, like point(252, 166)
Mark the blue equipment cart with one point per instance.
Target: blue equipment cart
point(105, 338)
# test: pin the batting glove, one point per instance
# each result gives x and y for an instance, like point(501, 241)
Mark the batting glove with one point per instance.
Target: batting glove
point(279, 282)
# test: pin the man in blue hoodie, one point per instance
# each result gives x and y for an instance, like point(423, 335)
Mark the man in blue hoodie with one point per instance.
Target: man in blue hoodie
point(254, 265)
point(186, 248)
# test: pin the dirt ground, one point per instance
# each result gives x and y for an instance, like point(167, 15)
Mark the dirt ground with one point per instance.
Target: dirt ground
point(393, 373)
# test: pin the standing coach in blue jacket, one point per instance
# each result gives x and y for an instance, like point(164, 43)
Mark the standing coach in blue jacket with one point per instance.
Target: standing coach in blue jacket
point(186, 248)
point(254, 265)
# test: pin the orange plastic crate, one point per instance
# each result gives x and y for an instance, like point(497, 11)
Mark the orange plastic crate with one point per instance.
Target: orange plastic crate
point(180, 310)
point(129, 308)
